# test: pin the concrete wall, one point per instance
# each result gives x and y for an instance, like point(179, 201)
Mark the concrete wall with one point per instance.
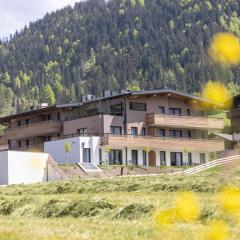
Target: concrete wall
point(22, 167)
point(57, 151)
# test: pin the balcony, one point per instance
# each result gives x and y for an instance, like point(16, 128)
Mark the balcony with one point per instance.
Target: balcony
point(34, 129)
point(189, 122)
point(164, 143)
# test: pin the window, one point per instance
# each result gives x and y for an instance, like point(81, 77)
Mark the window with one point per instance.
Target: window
point(202, 158)
point(27, 143)
point(116, 130)
point(117, 109)
point(189, 134)
point(190, 159)
point(19, 144)
point(19, 123)
point(143, 132)
point(86, 155)
point(161, 132)
point(144, 158)
point(115, 157)
point(27, 121)
point(9, 144)
point(176, 133)
point(135, 106)
point(134, 131)
point(58, 116)
point(175, 111)
point(92, 111)
point(188, 112)
point(134, 157)
point(100, 156)
point(82, 131)
point(162, 158)
point(176, 159)
point(161, 110)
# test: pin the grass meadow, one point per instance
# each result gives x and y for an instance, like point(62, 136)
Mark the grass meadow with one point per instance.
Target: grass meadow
point(114, 209)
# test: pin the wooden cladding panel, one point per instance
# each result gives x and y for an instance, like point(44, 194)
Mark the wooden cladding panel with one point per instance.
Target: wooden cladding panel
point(163, 143)
point(36, 129)
point(189, 122)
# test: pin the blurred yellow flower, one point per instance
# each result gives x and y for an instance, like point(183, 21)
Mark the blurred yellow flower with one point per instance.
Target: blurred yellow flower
point(187, 207)
point(229, 200)
point(165, 217)
point(216, 230)
point(225, 49)
point(217, 93)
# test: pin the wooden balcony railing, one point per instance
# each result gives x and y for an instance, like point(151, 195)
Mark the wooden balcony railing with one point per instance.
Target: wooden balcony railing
point(34, 129)
point(163, 143)
point(190, 122)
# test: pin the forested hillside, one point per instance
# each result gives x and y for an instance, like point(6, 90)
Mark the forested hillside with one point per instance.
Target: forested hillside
point(111, 45)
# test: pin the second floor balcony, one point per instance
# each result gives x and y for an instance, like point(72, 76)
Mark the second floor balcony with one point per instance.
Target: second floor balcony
point(164, 143)
point(180, 121)
point(34, 129)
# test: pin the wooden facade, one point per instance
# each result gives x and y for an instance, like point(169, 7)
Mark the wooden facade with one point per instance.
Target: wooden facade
point(186, 122)
point(173, 144)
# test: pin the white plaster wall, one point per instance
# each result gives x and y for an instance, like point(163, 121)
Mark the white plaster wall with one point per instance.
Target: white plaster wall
point(57, 151)
point(26, 167)
point(4, 168)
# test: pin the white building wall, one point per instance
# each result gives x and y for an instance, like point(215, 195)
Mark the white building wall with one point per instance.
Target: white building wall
point(57, 150)
point(3, 168)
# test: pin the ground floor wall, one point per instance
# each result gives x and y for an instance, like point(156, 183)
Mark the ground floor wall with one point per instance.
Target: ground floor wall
point(156, 157)
point(83, 149)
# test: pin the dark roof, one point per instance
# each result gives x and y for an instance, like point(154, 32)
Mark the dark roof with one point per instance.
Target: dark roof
point(39, 110)
point(125, 94)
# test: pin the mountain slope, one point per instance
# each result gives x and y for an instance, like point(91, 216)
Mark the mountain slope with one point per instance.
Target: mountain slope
point(116, 44)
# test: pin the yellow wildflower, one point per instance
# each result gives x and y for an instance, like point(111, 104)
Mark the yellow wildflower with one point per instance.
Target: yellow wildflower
point(225, 49)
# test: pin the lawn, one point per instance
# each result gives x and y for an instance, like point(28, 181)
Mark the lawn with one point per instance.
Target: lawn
point(115, 209)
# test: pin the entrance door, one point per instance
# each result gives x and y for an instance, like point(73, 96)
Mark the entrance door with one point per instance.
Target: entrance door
point(152, 158)
point(176, 159)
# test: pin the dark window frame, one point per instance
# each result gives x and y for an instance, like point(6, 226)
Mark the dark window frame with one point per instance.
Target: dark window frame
point(138, 106)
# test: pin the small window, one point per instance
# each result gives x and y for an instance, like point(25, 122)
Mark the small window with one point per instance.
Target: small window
point(134, 131)
point(82, 131)
point(143, 132)
point(162, 158)
point(49, 117)
point(176, 133)
point(27, 121)
point(58, 117)
point(116, 130)
point(162, 132)
point(189, 134)
point(86, 155)
point(135, 106)
point(161, 110)
point(19, 144)
point(27, 143)
point(19, 123)
point(175, 111)
point(188, 112)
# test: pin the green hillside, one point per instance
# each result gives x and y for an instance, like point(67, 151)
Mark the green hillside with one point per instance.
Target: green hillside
point(111, 45)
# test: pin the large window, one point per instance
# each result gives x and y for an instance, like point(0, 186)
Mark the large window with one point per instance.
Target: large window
point(175, 111)
point(161, 132)
point(86, 155)
point(176, 133)
point(116, 130)
point(137, 106)
point(117, 109)
point(176, 159)
point(202, 158)
point(134, 157)
point(115, 157)
point(161, 109)
point(162, 158)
